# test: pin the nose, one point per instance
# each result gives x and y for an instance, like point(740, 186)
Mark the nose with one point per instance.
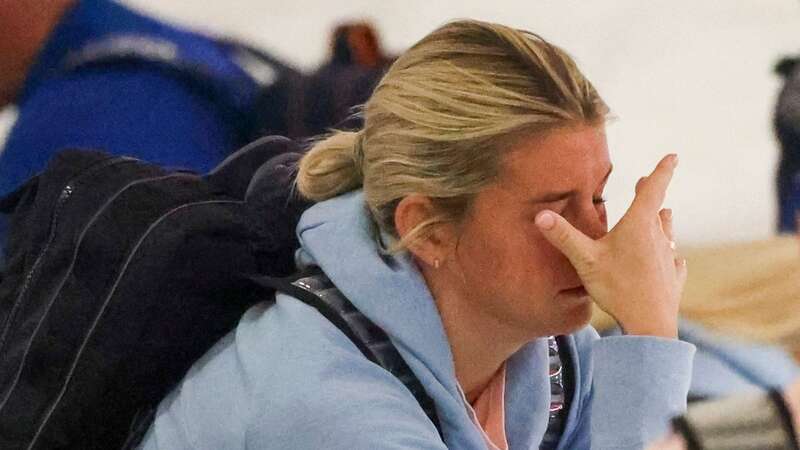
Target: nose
point(591, 220)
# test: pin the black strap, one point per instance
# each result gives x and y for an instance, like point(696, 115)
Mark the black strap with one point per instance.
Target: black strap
point(786, 418)
point(310, 298)
point(568, 365)
point(696, 434)
point(694, 398)
point(682, 427)
point(373, 342)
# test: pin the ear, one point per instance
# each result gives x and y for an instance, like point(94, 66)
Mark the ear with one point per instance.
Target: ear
point(414, 210)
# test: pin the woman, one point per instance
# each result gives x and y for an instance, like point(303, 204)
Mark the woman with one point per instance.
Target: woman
point(467, 220)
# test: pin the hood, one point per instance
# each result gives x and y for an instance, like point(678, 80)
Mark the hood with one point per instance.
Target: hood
point(339, 236)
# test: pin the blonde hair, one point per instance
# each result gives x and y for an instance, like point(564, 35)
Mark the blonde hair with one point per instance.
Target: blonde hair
point(749, 290)
point(437, 122)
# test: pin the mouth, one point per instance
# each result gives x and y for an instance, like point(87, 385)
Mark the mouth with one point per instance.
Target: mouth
point(578, 293)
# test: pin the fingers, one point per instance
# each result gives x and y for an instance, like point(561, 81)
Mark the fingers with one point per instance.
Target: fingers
point(639, 184)
point(666, 223)
point(680, 263)
point(681, 271)
point(576, 246)
point(666, 226)
point(651, 190)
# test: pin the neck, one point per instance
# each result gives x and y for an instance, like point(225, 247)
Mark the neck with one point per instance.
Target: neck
point(25, 31)
point(479, 343)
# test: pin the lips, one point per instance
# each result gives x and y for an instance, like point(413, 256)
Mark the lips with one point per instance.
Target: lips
point(579, 291)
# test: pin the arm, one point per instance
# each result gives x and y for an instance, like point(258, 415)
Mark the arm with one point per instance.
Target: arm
point(639, 383)
point(630, 387)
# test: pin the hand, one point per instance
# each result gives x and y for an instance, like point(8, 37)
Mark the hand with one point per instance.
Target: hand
point(632, 272)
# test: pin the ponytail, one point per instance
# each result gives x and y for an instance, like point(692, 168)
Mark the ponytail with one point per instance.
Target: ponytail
point(332, 167)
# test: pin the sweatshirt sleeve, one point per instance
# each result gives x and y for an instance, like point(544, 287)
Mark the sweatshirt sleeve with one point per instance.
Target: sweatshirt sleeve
point(639, 383)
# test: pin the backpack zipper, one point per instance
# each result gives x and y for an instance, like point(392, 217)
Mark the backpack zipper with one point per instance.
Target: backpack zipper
point(130, 256)
point(63, 198)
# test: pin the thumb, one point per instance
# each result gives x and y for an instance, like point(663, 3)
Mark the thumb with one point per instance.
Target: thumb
point(576, 246)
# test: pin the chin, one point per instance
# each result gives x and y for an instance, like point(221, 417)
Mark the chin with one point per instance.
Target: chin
point(577, 318)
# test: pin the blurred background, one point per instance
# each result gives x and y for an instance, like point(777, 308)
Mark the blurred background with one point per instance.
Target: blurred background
point(680, 76)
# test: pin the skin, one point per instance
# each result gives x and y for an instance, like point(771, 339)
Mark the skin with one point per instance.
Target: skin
point(25, 30)
point(505, 277)
point(641, 243)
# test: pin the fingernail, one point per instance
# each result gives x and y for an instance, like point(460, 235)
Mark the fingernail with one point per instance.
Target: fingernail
point(545, 220)
point(674, 160)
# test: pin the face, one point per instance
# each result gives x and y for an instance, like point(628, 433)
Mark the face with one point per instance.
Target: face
point(509, 271)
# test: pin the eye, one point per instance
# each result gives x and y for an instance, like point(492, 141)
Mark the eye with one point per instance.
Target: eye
point(599, 200)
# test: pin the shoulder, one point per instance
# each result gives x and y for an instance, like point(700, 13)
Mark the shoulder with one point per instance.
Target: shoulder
point(101, 33)
point(137, 113)
point(287, 378)
point(107, 38)
point(98, 34)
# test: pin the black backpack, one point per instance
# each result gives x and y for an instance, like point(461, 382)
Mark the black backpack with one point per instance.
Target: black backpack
point(121, 274)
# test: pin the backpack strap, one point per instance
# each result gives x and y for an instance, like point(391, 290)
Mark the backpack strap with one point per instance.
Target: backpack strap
point(316, 290)
point(562, 389)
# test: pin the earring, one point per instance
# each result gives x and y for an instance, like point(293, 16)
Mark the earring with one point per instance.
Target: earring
point(436, 263)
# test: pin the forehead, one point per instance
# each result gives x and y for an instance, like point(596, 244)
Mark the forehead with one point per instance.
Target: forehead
point(561, 158)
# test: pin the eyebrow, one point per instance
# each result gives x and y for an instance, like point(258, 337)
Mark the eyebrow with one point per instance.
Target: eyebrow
point(552, 197)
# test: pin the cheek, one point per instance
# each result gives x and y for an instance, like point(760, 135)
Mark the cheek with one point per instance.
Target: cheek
point(492, 255)
point(512, 255)
point(552, 265)
point(482, 253)
point(523, 259)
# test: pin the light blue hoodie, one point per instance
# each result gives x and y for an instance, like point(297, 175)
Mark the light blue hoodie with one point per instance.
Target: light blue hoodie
point(286, 378)
point(725, 365)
